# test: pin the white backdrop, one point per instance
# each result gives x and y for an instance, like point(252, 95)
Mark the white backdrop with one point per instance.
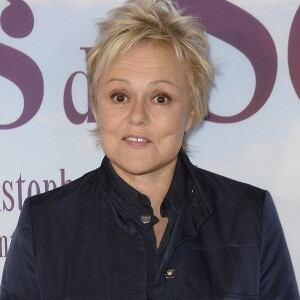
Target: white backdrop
point(48, 149)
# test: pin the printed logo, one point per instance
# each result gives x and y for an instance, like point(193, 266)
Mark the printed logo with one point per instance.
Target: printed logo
point(17, 21)
point(294, 50)
point(241, 30)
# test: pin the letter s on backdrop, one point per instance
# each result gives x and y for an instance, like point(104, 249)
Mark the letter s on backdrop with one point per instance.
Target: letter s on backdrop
point(17, 21)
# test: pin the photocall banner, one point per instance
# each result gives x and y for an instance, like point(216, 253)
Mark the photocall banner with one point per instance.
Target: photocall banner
point(252, 133)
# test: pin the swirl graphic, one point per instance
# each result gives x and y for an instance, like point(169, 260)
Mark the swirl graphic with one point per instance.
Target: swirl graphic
point(238, 28)
point(294, 50)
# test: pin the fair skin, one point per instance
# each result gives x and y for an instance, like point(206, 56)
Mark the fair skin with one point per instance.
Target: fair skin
point(144, 110)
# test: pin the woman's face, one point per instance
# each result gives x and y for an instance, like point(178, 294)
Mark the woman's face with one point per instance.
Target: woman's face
point(144, 109)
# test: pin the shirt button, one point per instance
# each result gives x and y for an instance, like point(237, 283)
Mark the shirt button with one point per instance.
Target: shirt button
point(170, 273)
point(145, 219)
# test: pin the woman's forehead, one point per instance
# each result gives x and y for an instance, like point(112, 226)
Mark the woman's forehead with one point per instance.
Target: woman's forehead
point(152, 61)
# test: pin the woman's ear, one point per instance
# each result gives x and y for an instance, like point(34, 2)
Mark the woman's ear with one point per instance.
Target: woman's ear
point(190, 119)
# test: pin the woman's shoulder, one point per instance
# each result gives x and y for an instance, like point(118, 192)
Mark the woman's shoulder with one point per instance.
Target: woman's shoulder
point(223, 182)
point(69, 192)
point(219, 191)
point(208, 180)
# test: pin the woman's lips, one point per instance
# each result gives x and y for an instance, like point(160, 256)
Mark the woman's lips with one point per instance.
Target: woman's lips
point(136, 141)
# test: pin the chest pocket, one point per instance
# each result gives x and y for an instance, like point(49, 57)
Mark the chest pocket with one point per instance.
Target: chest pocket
point(223, 272)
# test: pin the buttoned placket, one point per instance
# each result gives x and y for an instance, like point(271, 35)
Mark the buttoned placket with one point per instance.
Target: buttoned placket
point(189, 221)
point(141, 220)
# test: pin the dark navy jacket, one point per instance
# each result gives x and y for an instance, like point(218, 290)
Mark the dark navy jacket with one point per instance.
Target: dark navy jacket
point(70, 243)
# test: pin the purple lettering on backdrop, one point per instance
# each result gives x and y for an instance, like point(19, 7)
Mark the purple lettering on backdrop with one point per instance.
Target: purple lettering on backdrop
point(47, 185)
point(236, 27)
point(3, 246)
point(17, 21)
point(37, 189)
point(63, 180)
point(294, 50)
point(20, 182)
point(71, 112)
point(8, 195)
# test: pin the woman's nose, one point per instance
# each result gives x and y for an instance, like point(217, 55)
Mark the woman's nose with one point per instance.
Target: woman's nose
point(138, 114)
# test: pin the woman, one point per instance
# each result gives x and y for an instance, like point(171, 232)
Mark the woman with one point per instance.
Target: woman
point(148, 224)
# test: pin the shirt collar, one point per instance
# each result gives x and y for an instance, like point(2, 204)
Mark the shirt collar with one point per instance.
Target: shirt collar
point(127, 201)
point(176, 192)
point(131, 204)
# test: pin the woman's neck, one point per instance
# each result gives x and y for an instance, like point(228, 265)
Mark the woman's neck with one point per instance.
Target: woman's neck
point(155, 184)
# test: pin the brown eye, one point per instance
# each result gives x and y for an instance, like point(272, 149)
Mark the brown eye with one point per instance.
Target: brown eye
point(119, 98)
point(162, 99)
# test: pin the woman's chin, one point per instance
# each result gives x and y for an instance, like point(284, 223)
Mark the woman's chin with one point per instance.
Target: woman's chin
point(133, 167)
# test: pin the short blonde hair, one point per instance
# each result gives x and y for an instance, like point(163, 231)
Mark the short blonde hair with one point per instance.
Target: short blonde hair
point(157, 21)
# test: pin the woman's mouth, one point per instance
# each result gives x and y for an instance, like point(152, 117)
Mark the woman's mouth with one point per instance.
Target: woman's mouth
point(136, 141)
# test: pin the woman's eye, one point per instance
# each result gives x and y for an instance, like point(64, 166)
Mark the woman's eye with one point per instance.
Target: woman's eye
point(162, 99)
point(119, 98)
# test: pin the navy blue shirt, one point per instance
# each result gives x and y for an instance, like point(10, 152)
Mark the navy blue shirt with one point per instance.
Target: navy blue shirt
point(136, 207)
point(87, 241)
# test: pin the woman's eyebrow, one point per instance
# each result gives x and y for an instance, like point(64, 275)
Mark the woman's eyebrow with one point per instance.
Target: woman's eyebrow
point(118, 79)
point(163, 81)
point(153, 82)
